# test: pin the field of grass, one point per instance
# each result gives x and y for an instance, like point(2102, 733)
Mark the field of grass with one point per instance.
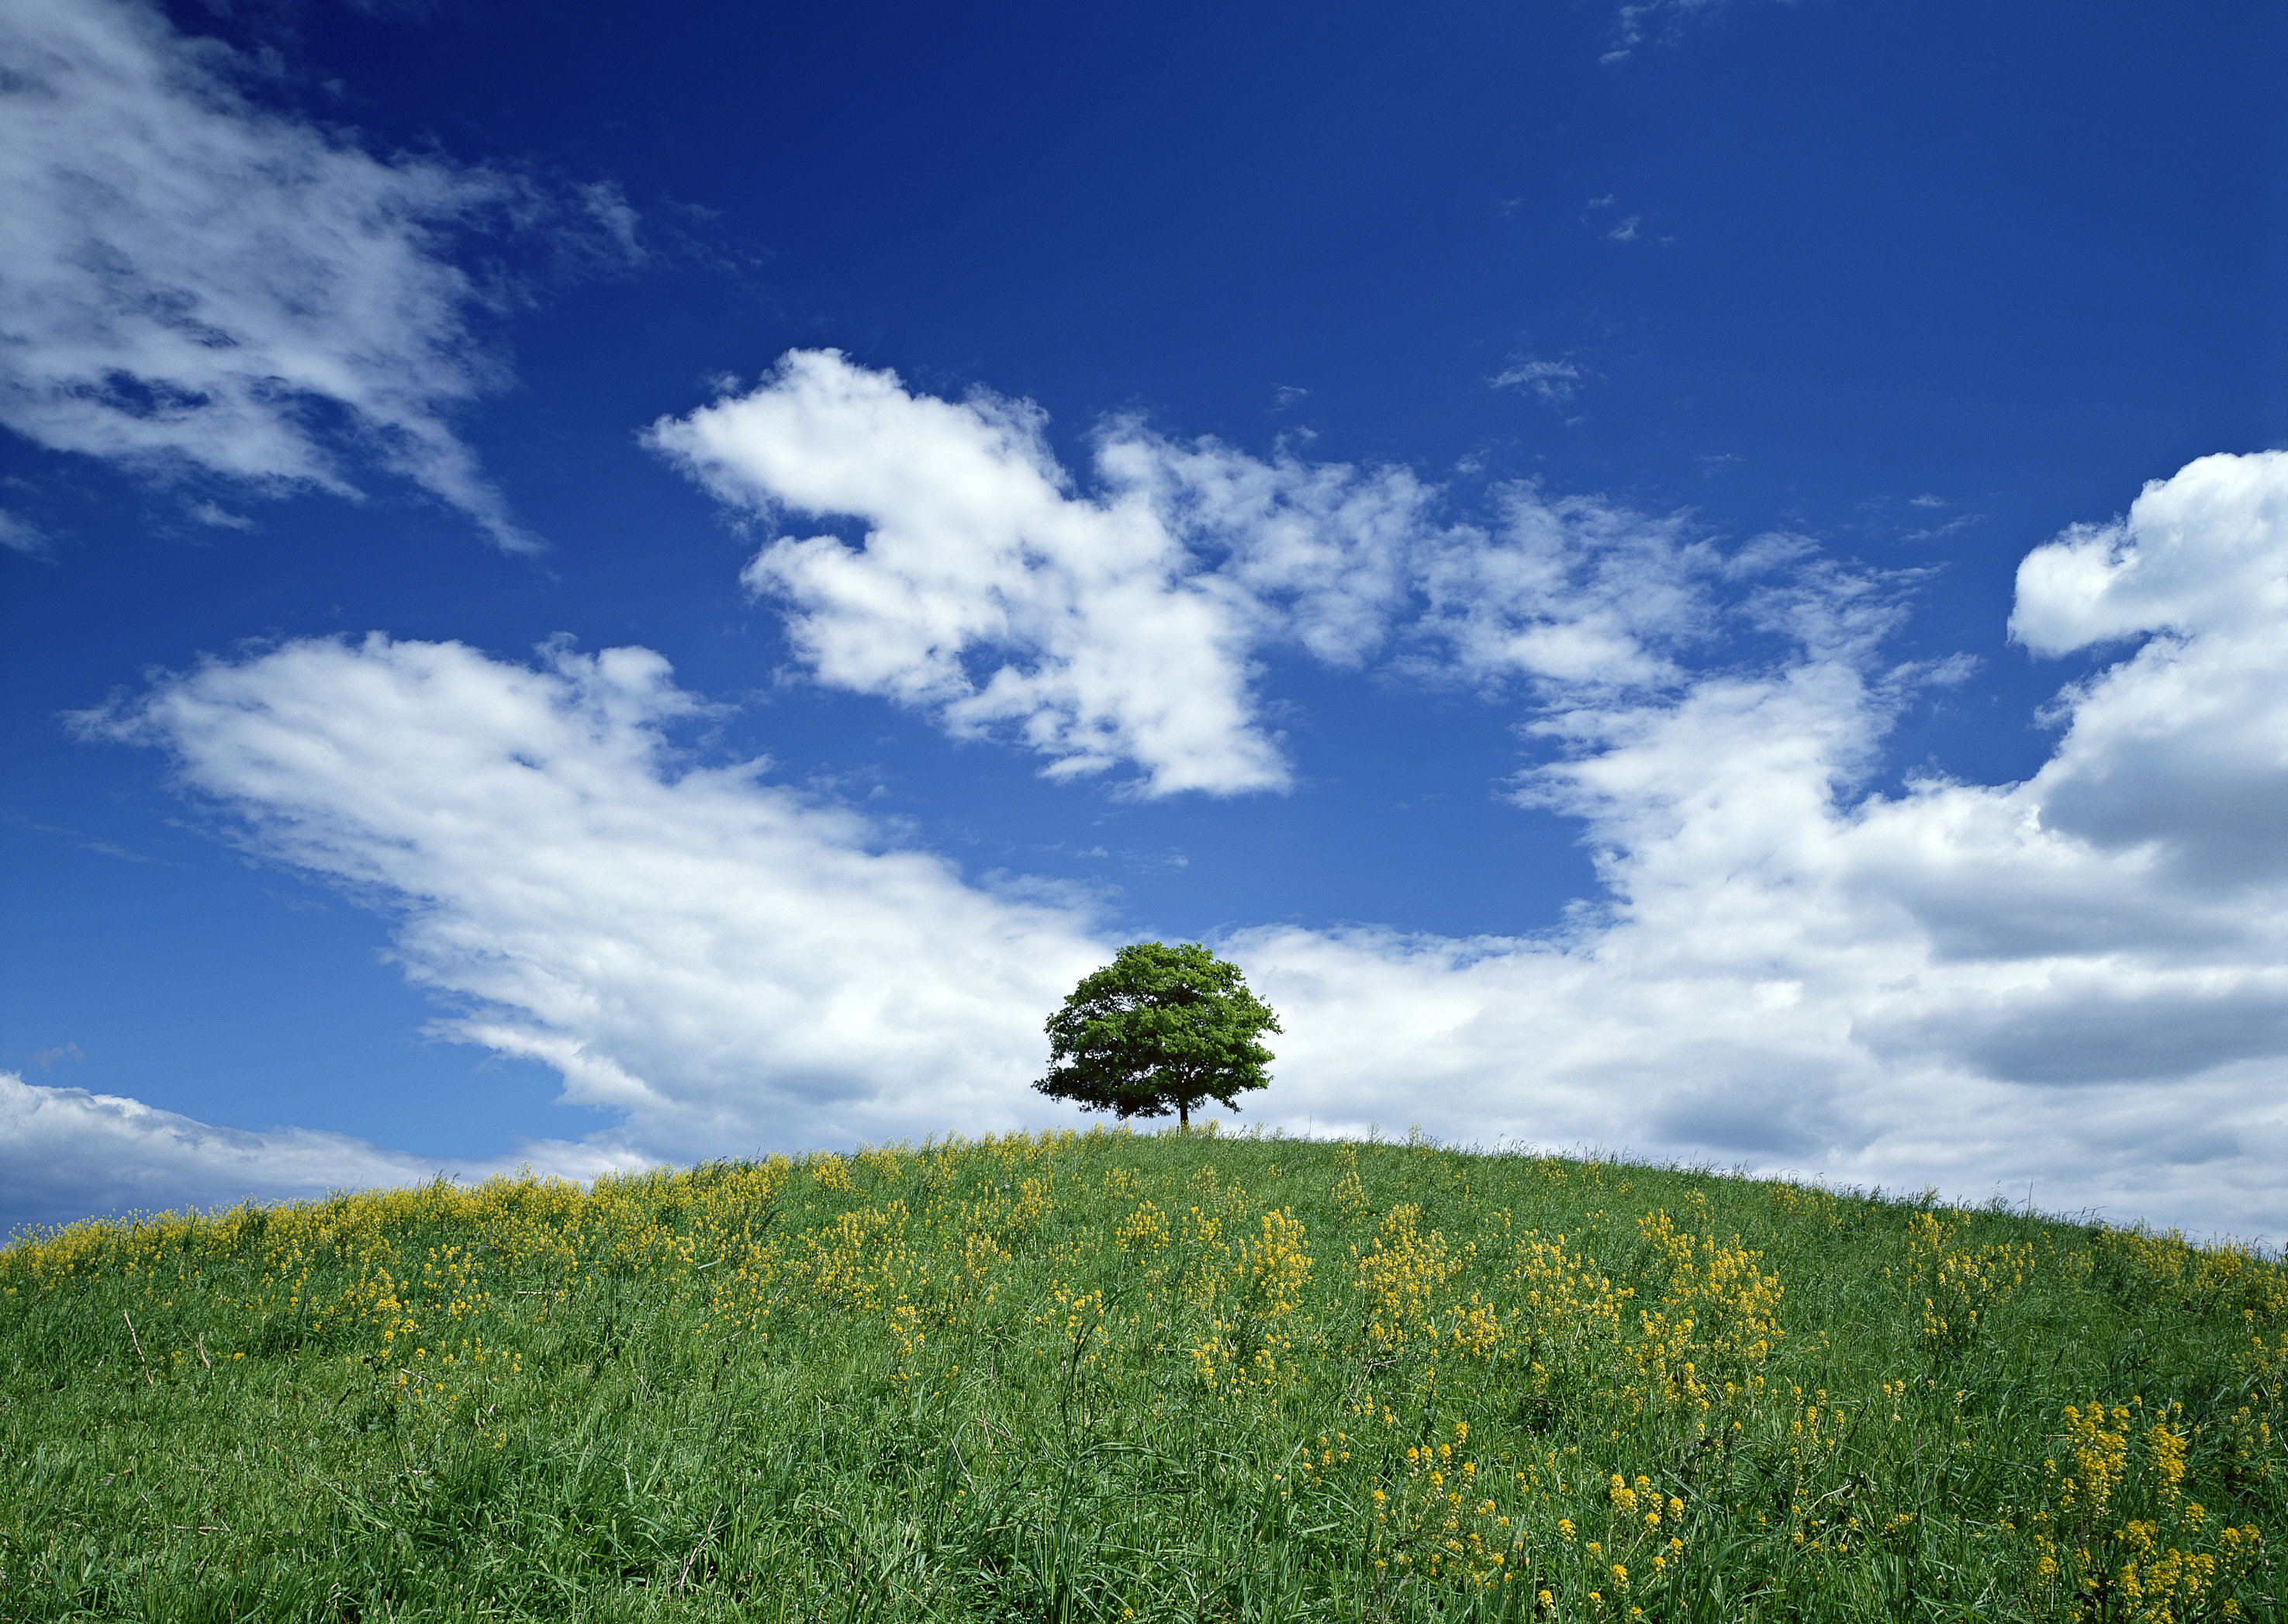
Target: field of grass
point(1111, 1376)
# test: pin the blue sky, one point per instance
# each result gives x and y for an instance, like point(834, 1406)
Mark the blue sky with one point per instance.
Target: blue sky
point(594, 587)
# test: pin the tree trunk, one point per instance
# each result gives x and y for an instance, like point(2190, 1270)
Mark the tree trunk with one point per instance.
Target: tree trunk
point(1183, 1116)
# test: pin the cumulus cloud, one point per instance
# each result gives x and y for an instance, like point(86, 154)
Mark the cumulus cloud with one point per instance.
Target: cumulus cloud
point(191, 282)
point(990, 590)
point(2075, 980)
point(66, 1154)
point(2178, 757)
point(1126, 623)
point(2199, 553)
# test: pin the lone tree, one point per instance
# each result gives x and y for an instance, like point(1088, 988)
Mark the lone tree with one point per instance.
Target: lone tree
point(1158, 1028)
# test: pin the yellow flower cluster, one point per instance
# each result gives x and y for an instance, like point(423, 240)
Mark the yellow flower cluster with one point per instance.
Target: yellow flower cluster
point(1960, 1287)
point(1400, 1277)
point(2225, 1278)
point(1274, 1268)
point(1249, 1345)
point(2153, 1566)
point(1144, 1232)
point(1718, 1312)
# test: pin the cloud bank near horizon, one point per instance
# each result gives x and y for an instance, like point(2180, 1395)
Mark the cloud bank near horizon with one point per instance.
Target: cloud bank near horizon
point(66, 1154)
point(2075, 980)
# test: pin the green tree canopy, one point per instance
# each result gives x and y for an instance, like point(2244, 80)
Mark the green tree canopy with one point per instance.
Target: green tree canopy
point(1158, 1029)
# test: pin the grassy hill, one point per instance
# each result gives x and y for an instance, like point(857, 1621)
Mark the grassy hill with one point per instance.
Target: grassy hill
point(1112, 1376)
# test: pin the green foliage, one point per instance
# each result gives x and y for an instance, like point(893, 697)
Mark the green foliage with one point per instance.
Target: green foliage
point(1158, 1029)
point(1114, 1375)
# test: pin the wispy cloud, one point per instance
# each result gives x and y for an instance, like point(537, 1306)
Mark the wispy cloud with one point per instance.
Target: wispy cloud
point(1661, 21)
point(79, 839)
point(20, 536)
point(1552, 380)
point(217, 518)
point(190, 282)
point(1563, 594)
point(1952, 527)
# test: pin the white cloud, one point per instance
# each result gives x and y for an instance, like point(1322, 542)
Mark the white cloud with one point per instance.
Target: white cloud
point(1552, 380)
point(1092, 628)
point(2075, 980)
point(1568, 591)
point(66, 1153)
point(608, 207)
point(2199, 553)
point(190, 282)
point(725, 962)
point(2176, 757)
point(1939, 533)
point(1316, 553)
point(20, 536)
point(1654, 18)
point(217, 518)
point(1126, 623)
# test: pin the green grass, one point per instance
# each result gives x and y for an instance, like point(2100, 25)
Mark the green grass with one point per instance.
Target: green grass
point(1111, 1376)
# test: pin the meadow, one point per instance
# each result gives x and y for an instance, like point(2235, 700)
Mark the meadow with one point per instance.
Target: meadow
point(1113, 1376)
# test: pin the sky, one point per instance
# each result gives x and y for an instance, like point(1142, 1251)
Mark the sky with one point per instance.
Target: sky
point(596, 587)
